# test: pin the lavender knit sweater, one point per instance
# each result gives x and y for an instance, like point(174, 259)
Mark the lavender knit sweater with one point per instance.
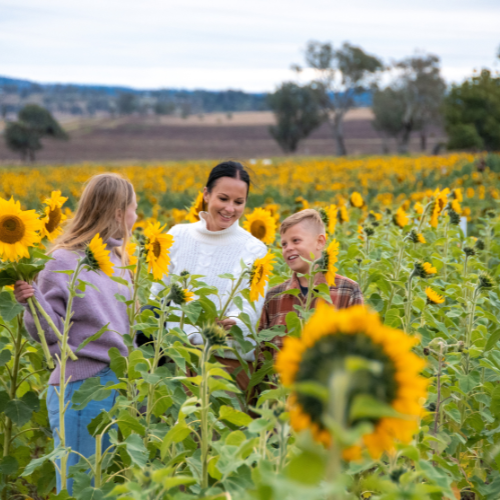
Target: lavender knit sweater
point(90, 313)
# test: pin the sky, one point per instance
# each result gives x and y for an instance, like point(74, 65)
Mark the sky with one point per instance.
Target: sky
point(231, 44)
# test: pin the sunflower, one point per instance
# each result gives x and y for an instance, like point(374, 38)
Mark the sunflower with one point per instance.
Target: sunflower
point(332, 212)
point(455, 206)
point(19, 229)
point(400, 218)
point(97, 257)
point(343, 214)
point(328, 339)
point(433, 297)
point(131, 249)
point(259, 275)
point(440, 202)
point(273, 209)
point(457, 194)
point(424, 269)
point(416, 237)
point(261, 224)
point(51, 227)
point(356, 200)
point(419, 208)
point(330, 257)
point(157, 249)
point(301, 204)
point(194, 212)
point(180, 295)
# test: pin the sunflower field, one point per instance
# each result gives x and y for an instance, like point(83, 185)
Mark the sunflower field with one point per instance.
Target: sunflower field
point(396, 400)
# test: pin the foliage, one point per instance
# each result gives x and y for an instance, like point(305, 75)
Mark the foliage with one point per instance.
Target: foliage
point(34, 123)
point(412, 102)
point(472, 113)
point(297, 114)
point(180, 435)
point(341, 75)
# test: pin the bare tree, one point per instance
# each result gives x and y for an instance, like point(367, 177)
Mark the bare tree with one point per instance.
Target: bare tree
point(341, 75)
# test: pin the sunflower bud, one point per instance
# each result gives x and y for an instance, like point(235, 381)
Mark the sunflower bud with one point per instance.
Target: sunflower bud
point(324, 216)
point(485, 281)
point(480, 244)
point(490, 214)
point(469, 251)
point(460, 346)
point(179, 295)
point(396, 474)
point(215, 335)
point(369, 231)
point(426, 351)
point(431, 407)
point(454, 217)
point(278, 409)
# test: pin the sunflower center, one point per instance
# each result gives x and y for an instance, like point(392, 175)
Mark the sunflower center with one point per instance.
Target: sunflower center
point(330, 352)
point(12, 229)
point(54, 220)
point(258, 229)
point(156, 248)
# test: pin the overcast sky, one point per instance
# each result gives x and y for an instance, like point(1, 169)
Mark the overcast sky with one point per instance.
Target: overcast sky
point(222, 44)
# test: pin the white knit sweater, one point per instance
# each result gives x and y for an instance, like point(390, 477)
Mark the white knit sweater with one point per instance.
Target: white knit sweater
point(211, 253)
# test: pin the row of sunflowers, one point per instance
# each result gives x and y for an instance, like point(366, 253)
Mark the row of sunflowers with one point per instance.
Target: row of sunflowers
point(398, 401)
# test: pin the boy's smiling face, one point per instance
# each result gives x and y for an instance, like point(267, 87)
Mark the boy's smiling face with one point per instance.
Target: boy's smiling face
point(299, 241)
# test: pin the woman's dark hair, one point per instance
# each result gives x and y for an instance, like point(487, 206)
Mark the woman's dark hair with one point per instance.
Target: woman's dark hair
point(232, 169)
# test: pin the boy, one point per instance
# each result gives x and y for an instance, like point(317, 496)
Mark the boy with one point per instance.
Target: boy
point(303, 233)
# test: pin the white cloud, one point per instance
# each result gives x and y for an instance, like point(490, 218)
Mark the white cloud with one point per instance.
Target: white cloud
point(229, 44)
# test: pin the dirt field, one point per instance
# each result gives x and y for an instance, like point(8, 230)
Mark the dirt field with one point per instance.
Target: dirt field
point(217, 136)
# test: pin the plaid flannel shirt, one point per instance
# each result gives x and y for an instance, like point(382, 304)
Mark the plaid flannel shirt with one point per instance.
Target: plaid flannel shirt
point(345, 293)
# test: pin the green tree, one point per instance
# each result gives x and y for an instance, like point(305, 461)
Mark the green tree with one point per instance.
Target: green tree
point(34, 122)
point(412, 102)
point(472, 113)
point(341, 75)
point(298, 113)
point(127, 103)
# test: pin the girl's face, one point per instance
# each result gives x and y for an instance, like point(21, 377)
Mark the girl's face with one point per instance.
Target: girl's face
point(225, 203)
point(131, 214)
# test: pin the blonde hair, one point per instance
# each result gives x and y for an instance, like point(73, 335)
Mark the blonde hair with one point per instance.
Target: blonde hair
point(103, 195)
point(308, 215)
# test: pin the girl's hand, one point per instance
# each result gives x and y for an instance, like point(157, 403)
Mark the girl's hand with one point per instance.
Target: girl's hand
point(23, 291)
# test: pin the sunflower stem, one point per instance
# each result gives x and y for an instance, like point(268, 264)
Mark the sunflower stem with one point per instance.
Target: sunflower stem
point(438, 384)
point(41, 334)
point(422, 218)
point(445, 267)
point(234, 290)
point(205, 445)
point(63, 405)
point(49, 321)
point(337, 406)
point(409, 302)
point(134, 309)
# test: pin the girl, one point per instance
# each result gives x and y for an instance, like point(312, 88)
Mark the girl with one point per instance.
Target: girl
point(108, 207)
point(215, 245)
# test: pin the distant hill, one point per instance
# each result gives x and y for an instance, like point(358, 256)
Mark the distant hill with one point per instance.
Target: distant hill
point(89, 100)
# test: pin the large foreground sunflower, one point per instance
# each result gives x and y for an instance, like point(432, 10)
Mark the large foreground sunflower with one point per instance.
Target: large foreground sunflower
point(261, 224)
point(51, 227)
point(97, 257)
point(19, 229)
point(329, 338)
point(157, 249)
point(197, 206)
point(259, 275)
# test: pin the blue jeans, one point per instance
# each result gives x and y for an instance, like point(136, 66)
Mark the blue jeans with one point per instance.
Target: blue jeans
point(76, 421)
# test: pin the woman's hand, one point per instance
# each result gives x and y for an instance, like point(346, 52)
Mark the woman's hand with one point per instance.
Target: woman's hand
point(226, 323)
point(23, 291)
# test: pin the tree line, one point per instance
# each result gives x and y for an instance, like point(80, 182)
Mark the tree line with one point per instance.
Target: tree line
point(414, 100)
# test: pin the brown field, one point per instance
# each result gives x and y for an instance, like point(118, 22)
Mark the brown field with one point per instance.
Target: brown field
point(216, 135)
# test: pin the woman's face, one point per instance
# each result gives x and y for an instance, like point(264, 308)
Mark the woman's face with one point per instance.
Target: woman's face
point(131, 214)
point(225, 203)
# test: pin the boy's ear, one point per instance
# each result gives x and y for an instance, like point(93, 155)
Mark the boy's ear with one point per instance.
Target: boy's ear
point(321, 240)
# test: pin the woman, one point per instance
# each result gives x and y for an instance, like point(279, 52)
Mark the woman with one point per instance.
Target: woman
point(108, 207)
point(215, 245)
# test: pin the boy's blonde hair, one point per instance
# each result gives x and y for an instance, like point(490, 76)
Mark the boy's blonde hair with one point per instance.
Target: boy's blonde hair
point(309, 215)
point(103, 195)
